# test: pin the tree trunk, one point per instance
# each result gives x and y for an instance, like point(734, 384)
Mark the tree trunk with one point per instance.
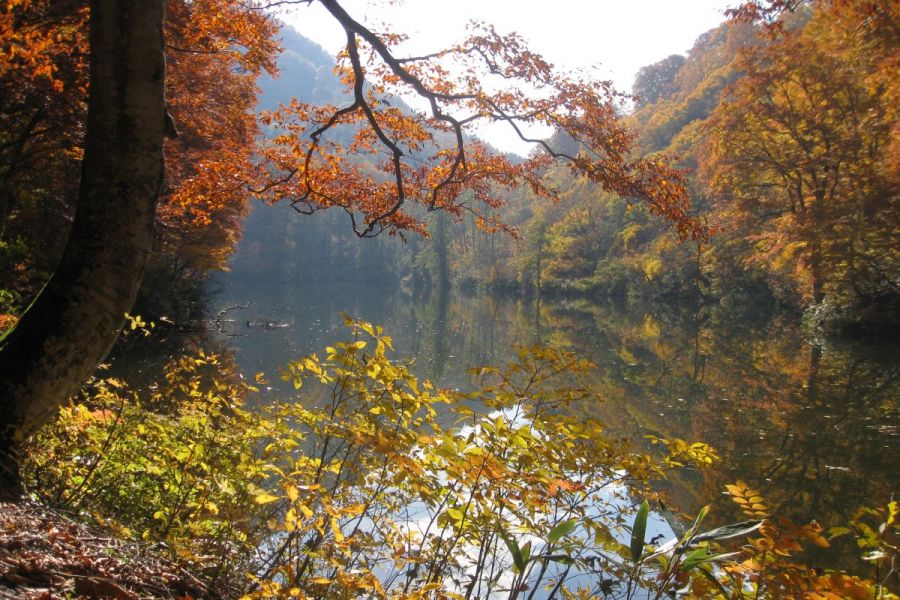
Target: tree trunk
point(816, 233)
point(818, 293)
point(73, 323)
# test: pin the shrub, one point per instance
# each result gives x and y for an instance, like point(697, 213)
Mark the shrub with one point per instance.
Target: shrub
point(373, 483)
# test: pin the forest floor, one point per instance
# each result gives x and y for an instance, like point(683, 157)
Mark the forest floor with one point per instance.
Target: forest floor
point(46, 554)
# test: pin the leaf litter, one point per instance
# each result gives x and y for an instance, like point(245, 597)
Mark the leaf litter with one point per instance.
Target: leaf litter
point(45, 554)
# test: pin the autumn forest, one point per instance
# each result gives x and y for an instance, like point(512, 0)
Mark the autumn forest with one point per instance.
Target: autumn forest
point(278, 323)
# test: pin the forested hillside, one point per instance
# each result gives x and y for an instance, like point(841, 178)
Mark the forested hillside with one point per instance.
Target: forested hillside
point(591, 378)
point(712, 108)
point(280, 244)
point(792, 165)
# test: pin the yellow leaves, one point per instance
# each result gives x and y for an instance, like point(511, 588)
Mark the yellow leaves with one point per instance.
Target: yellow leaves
point(682, 452)
point(650, 328)
point(352, 510)
point(651, 266)
point(432, 587)
point(336, 531)
point(356, 487)
point(307, 511)
point(115, 383)
point(893, 511)
point(134, 323)
point(265, 498)
point(292, 492)
point(750, 500)
point(384, 444)
point(290, 520)
point(455, 514)
point(373, 369)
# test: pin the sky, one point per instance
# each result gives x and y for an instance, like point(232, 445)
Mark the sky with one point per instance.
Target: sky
point(615, 38)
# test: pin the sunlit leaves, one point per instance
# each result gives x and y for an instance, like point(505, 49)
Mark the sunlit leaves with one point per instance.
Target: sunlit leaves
point(638, 531)
point(215, 49)
point(177, 466)
point(799, 149)
point(681, 452)
point(264, 498)
point(750, 500)
point(374, 483)
point(429, 159)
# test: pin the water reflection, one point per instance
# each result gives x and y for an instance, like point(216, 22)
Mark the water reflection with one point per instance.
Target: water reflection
point(443, 333)
point(816, 429)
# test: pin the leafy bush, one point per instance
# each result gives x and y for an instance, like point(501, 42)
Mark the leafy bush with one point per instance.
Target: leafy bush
point(179, 466)
point(373, 483)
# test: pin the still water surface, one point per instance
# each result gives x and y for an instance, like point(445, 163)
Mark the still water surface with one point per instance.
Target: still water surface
point(815, 428)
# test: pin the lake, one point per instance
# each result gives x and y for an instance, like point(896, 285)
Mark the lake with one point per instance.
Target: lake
point(815, 428)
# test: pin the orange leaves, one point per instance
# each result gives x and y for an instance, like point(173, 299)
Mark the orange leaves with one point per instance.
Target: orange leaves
point(41, 41)
point(838, 586)
point(430, 159)
point(555, 485)
point(769, 564)
point(215, 49)
point(750, 500)
point(801, 149)
point(6, 322)
point(240, 33)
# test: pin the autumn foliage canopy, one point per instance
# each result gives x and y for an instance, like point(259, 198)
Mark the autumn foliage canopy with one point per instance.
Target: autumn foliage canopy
point(370, 157)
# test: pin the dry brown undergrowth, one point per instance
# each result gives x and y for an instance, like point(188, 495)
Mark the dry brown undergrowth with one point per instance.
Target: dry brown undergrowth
point(45, 554)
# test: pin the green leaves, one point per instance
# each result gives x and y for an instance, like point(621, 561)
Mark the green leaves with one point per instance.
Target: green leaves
point(455, 514)
point(727, 532)
point(515, 551)
point(638, 531)
point(561, 530)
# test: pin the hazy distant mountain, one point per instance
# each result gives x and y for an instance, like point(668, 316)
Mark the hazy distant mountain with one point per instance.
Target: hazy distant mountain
point(280, 244)
point(306, 72)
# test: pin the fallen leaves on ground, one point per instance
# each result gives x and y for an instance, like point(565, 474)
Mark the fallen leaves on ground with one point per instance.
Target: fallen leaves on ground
point(45, 555)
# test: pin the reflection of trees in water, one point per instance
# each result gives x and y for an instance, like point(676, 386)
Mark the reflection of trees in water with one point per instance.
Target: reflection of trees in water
point(817, 444)
point(439, 324)
point(814, 429)
point(457, 331)
point(140, 361)
point(825, 448)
